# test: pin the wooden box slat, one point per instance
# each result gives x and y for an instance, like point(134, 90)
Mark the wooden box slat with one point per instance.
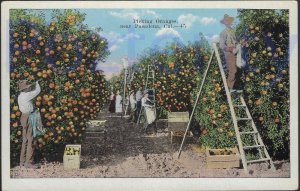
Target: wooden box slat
point(72, 161)
point(177, 121)
point(223, 161)
point(178, 116)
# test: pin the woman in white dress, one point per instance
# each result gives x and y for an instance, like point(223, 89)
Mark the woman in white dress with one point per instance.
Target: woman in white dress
point(119, 108)
point(132, 105)
point(149, 111)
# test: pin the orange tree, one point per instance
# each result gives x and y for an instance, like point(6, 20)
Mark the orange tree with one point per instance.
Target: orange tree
point(266, 78)
point(176, 74)
point(212, 112)
point(63, 53)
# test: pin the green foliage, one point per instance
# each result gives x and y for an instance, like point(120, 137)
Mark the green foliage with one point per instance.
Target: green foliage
point(213, 112)
point(176, 74)
point(266, 78)
point(63, 54)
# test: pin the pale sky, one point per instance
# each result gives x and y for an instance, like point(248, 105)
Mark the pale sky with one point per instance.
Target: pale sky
point(133, 41)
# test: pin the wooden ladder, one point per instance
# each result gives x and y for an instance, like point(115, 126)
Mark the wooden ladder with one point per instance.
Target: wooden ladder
point(258, 143)
point(129, 85)
point(149, 80)
point(264, 155)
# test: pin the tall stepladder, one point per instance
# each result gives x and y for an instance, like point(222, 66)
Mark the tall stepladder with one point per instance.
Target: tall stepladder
point(238, 121)
point(149, 86)
point(130, 77)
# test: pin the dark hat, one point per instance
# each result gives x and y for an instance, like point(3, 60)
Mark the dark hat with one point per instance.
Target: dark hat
point(227, 19)
point(23, 84)
point(145, 92)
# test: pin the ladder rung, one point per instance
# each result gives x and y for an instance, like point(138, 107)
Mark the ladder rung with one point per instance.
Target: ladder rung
point(95, 132)
point(243, 119)
point(258, 160)
point(251, 147)
point(236, 92)
point(248, 132)
point(239, 106)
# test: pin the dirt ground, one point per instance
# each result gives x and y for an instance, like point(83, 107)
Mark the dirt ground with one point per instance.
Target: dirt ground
point(128, 152)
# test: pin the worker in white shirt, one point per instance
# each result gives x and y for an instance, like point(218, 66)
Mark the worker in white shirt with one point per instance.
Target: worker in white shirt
point(149, 111)
point(26, 107)
point(138, 98)
point(119, 100)
point(132, 105)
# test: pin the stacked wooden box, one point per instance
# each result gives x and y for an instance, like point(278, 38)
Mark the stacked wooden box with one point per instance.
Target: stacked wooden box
point(177, 123)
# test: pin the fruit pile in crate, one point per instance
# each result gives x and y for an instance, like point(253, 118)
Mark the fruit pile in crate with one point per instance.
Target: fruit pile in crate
point(72, 156)
point(223, 158)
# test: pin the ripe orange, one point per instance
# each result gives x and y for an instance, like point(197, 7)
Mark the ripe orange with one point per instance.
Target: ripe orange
point(263, 92)
point(17, 53)
point(14, 60)
point(15, 124)
point(40, 140)
point(12, 75)
point(280, 85)
point(18, 113)
point(34, 69)
point(38, 103)
point(24, 43)
point(51, 85)
point(26, 74)
point(15, 108)
point(39, 74)
point(258, 102)
point(230, 134)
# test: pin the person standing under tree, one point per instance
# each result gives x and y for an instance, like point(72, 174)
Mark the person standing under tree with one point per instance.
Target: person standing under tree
point(26, 107)
point(228, 44)
point(138, 98)
point(119, 108)
point(112, 103)
point(149, 110)
point(132, 105)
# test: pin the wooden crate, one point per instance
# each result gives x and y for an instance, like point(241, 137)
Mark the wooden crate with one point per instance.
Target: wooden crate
point(95, 125)
point(72, 159)
point(177, 121)
point(223, 158)
point(179, 135)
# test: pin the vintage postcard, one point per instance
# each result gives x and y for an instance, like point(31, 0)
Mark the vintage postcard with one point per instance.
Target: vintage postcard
point(156, 95)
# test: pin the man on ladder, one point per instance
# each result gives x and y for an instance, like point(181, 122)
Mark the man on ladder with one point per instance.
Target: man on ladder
point(228, 44)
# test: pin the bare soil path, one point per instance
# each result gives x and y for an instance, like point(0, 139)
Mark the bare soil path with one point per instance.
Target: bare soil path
point(127, 152)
